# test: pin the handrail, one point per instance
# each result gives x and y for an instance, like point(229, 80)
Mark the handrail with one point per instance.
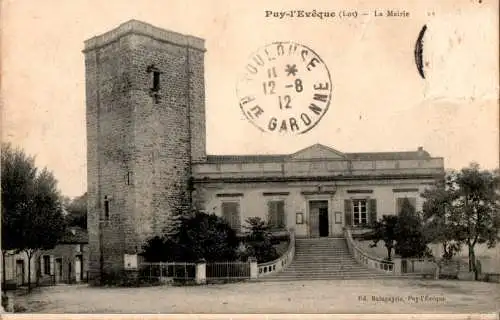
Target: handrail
point(366, 259)
point(390, 267)
point(280, 263)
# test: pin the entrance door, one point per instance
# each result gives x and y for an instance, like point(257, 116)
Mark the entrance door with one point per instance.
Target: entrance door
point(20, 272)
point(318, 218)
point(323, 222)
point(59, 270)
point(78, 268)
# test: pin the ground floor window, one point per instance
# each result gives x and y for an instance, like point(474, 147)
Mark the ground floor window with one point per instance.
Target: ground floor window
point(360, 212)
point(231, 212)
point(276, 214)
point(399, 203)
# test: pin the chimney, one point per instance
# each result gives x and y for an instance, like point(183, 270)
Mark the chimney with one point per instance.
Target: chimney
point(420, 151)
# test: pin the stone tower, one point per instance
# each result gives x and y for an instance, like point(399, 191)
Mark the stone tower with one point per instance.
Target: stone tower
point(145, 126)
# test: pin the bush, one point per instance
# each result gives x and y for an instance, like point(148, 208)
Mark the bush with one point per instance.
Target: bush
point(124, 279)
point(5, 301)
point(193, 237)
point(19, 308)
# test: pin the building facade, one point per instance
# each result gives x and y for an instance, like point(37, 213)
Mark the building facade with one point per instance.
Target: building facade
point(67, 262)
point(317, 191)
point(146, 156)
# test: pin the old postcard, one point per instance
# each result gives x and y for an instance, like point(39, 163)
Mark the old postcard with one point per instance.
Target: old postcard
point(251, 157)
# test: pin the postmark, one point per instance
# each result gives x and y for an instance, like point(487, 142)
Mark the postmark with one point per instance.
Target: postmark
point(419, 47)
point(286, 88)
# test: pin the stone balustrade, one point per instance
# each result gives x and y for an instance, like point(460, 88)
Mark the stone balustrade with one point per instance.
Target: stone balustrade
point(282, 262)
point(371, 262)
point(328, 168)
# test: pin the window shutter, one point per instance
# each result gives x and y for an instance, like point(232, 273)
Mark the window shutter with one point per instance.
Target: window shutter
point(348, 212)
point(373, 211)
point(236, 217)
point(224, 212)
point(40, 265)
point(413, 202)
point(271, 214)
point(399, 205)
point(51, 264)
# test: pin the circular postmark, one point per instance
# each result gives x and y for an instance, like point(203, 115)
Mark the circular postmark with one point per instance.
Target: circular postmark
point(286, 88)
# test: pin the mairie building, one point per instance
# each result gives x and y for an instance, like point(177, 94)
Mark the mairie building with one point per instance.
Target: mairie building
point(146, 157)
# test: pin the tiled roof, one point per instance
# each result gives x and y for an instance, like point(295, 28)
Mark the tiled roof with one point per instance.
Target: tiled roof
point(404, 155)
point(75, 235)
point(246, 158)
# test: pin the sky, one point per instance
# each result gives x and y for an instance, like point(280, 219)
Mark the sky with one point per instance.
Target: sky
point(379, 102)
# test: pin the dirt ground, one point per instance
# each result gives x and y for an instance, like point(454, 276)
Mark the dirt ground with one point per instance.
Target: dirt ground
point(320, 296)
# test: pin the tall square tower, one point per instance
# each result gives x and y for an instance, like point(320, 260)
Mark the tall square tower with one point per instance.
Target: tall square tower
point(145, 127)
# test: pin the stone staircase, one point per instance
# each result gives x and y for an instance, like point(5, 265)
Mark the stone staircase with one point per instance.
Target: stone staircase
point(324, 259)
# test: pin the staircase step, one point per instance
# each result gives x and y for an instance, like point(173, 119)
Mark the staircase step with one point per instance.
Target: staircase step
point(325, 259)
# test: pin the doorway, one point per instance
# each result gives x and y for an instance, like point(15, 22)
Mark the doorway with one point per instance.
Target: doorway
point(319, 225)
point(78, 269)
point(59, 270)
point(20, 272)
point(69, 273)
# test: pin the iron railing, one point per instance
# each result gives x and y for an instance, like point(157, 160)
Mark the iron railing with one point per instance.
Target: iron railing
point(165, 271)
point(227, 270)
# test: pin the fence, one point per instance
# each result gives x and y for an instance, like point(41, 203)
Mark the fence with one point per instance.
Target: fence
point(227, 270)
point(203, 272)
point(168, 271)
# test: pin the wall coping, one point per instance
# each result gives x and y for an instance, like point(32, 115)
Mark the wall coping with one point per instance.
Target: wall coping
point(144, 29)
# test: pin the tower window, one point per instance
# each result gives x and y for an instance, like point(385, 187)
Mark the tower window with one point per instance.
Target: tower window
point(106, 208)
point(129, 178)
point(156, 81)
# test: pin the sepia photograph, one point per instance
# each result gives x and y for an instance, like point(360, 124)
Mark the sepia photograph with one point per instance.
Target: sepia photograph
point(250, 157)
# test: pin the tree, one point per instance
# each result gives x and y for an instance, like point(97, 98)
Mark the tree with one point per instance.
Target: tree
point(476, 209)
point(32, 217)
point(473, 201)
point(385, 230)
point(411, 241)
point(439, 225)
point(259, 242)
point(192, 237)
point(77, 211)
point(403, 233)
